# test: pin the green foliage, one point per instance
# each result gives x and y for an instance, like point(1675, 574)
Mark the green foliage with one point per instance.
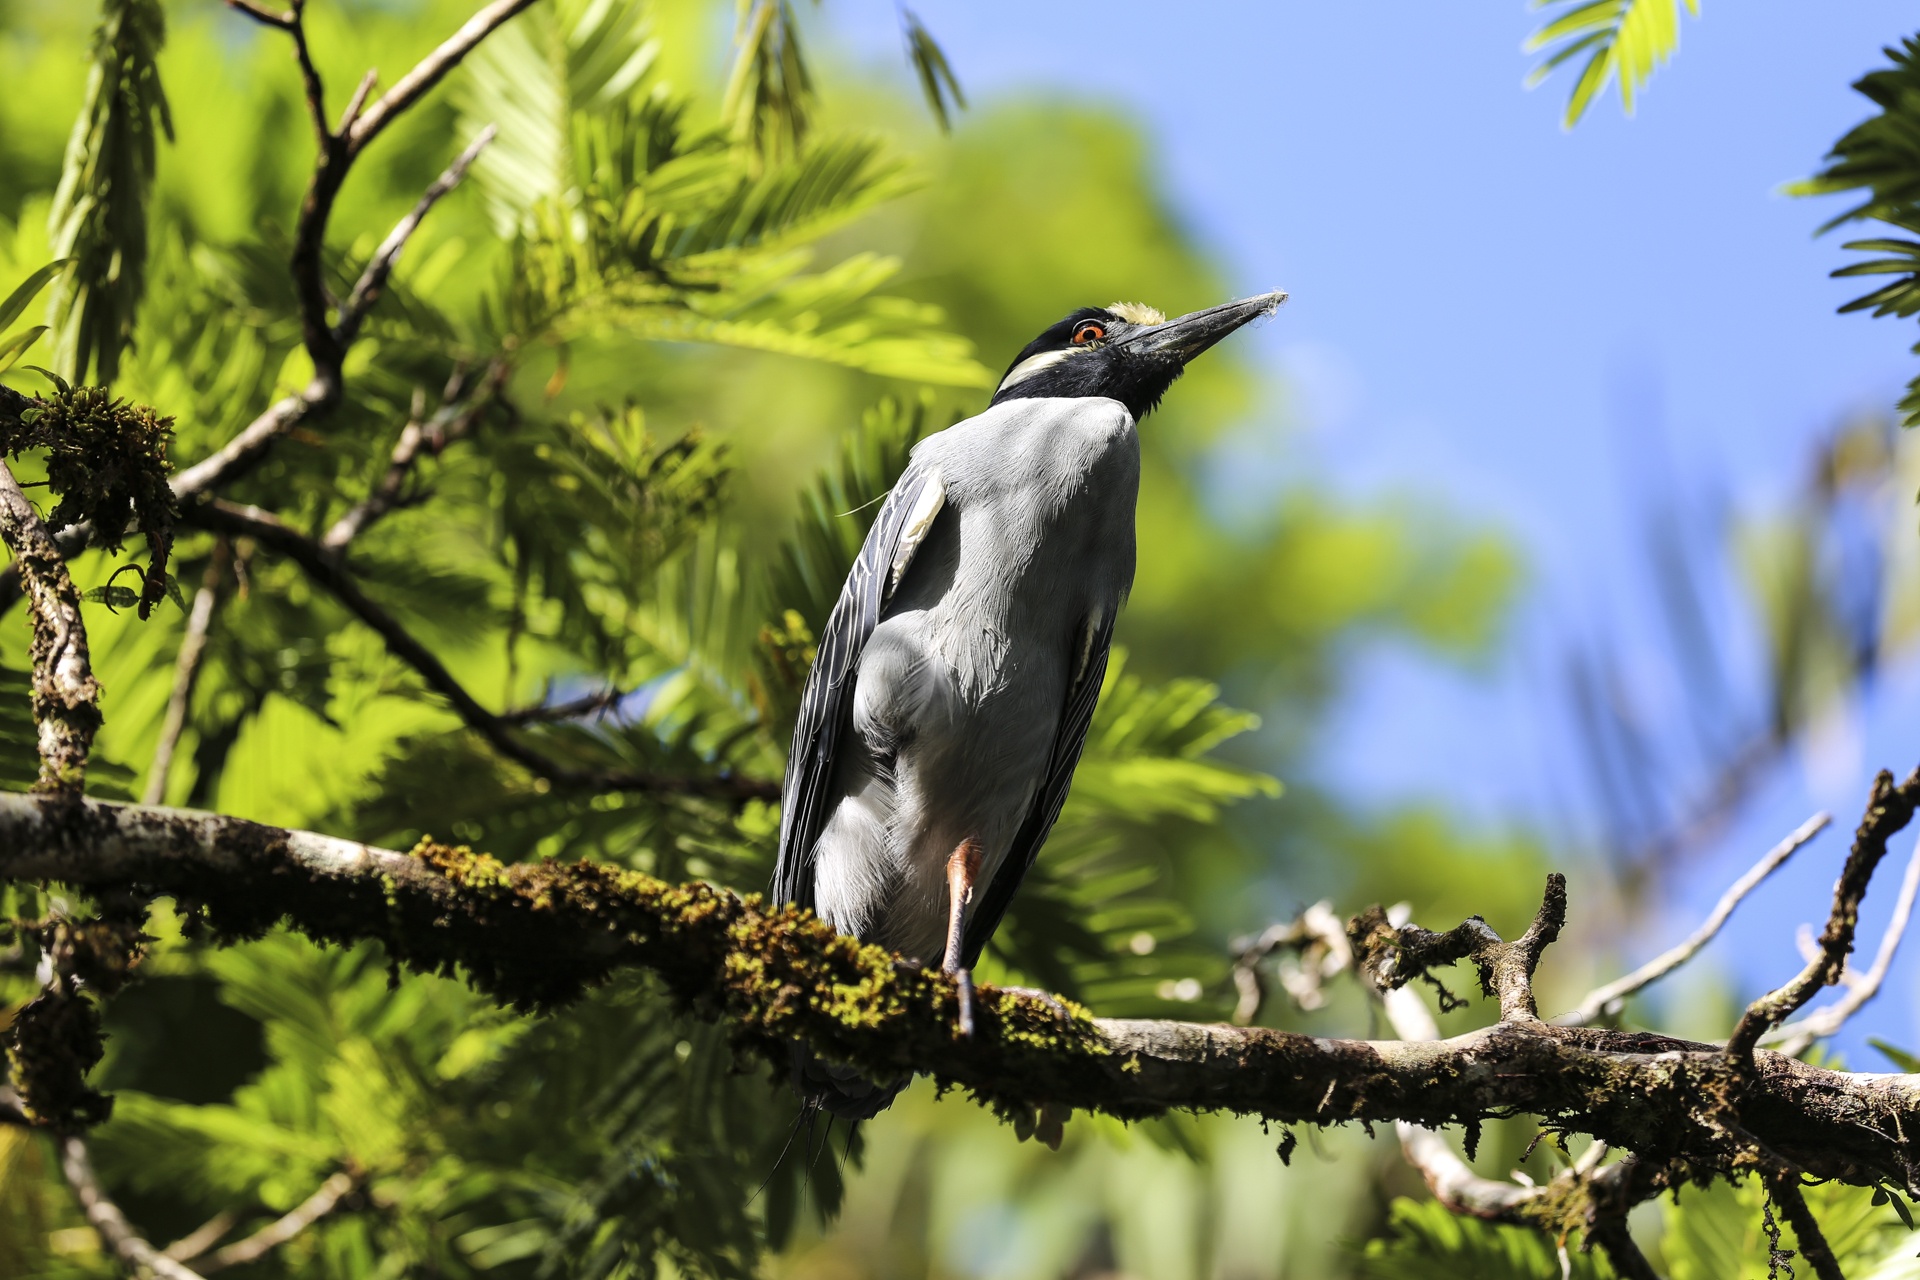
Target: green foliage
point(13, 346)
point(1880, 157)
point(1717, 1232)
point(1623, 40)
point(100, 210)
point(648, 317)
point(1425, 1239)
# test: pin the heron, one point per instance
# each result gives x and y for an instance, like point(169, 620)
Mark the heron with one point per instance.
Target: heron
point(959, 670)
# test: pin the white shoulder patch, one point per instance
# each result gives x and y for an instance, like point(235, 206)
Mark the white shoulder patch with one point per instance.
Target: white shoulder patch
point(926, 506)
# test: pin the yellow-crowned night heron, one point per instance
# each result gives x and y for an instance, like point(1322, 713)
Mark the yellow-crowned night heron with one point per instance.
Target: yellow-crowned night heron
point(957, 675)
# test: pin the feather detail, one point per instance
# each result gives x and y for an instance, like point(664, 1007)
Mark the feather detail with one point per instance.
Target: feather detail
point(926, 507)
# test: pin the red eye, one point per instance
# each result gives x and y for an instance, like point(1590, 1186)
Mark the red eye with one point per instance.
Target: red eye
point(1089, 332)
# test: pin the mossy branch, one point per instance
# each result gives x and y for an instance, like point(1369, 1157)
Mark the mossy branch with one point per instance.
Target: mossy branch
point(537, 935)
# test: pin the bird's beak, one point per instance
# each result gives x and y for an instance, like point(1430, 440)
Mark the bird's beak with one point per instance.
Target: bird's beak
point(1186, 337)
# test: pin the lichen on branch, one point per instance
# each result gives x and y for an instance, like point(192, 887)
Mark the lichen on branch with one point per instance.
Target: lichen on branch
point(536, 935)
point(107, 461)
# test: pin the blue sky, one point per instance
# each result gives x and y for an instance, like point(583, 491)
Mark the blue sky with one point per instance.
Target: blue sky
point(1525, 326)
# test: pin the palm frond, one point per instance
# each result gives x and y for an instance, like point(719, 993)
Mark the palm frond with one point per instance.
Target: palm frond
point(1623, 40)
point(1881, 157)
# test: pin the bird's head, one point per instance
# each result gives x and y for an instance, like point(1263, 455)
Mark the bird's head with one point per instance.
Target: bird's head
point(1125, 352)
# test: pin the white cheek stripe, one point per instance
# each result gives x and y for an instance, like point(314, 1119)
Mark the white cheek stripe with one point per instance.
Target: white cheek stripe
point(1032, 365)
point(926, 506)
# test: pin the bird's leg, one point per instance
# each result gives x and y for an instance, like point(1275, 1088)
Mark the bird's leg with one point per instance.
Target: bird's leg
point(962, 865)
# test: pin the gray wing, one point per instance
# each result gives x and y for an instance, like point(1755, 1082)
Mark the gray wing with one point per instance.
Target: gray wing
point(826, 705)
point(1068, 741)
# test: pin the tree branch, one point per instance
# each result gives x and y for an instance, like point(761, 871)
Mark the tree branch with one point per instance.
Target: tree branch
point(535, 935)
point(105, 1216)
point(1391, 957)
point(1889, 809)
point(186, 673)
point(1607, 1001)
point(65, 694)
point(326, 569)
point(366, 291)
point(455, 418)
point(429, 72)
point(1794, 1037)
point(270, 1237)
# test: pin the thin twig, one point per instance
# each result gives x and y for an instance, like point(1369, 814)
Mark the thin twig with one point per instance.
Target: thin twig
point(310, 80)
point(65, 695)
point(453, 420)
point(548, 713)
point(202, 1237)
point(127, 1244)
point(358, 100)
point(366, 291)
point(1889, 809)
point(325, 568)
point(276, 1233)
point(429, 71)
point(1607, 1001)
point(1794, 1037)
point(1318, 937)
point(261, 14)
point(186, 673)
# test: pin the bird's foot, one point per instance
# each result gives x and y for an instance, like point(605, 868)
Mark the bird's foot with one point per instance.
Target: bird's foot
point(964, 977)
point(1047, 998)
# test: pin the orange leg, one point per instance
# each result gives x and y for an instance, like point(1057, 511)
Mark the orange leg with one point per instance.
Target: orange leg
point(962, 866)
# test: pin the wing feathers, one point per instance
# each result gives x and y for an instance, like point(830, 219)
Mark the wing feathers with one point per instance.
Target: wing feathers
point(826, 703)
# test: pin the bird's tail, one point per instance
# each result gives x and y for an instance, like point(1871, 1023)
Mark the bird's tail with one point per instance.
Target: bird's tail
point(840, 1091)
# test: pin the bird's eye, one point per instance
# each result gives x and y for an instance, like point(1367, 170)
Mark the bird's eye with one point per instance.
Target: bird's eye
point(1089, 332)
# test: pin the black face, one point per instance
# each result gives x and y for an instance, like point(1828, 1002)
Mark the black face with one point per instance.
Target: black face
point(1124, 352)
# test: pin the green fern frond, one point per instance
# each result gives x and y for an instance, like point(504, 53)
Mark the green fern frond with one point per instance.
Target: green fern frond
point(768, 105)
point(1623, 40)
point(99, 216)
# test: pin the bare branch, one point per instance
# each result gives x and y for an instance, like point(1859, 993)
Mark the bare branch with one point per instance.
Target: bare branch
point(366, 291)
point(1513, 968)
point(1607, 1001)
point(456, 416)
point(186, 673)
point(429, 72)
point(358, 100)
point(1794, 1037)
point(325, 568)
point(1317, 936)
point(1391, 957)
point(309, 74)
point(65, 694)
point(1889, 809)
point(202, 1237)
point(105, 1216)
point(547, 713)
point(270, 1237)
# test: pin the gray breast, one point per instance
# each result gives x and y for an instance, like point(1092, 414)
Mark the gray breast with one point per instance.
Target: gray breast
point(961, 687)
